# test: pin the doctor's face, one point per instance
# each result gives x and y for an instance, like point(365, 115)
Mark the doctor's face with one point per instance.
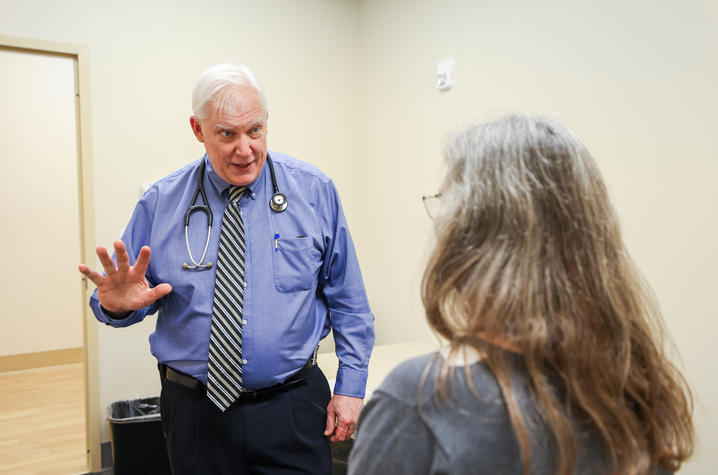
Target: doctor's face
point(236, 142)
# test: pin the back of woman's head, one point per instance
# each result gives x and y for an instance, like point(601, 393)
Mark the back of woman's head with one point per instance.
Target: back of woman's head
point(529, 253)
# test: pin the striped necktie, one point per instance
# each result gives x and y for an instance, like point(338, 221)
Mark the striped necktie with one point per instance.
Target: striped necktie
point(224, 372)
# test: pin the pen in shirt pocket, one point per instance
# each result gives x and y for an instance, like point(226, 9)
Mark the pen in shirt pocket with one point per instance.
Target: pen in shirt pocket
point(276, 241)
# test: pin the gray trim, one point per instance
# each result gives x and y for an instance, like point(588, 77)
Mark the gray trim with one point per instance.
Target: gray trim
point(106, 458)
point(105, 471)
point(106, 455)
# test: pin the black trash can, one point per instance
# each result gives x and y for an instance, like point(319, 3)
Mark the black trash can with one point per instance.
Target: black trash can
point(138, 441)
point(340, 456)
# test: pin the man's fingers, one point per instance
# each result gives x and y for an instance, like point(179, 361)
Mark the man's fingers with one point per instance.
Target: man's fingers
point(90, 274)
point(160, 291)
point(150, 296)
point(331, 421)
point(123, 260)
point(341, 433)
point(106, 260)
point(143, 260)
point(154, 294)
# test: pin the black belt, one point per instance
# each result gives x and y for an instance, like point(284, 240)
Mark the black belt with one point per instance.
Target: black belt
point(171, 374)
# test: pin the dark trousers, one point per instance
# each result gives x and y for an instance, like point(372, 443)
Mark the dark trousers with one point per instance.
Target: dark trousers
point(279, 433)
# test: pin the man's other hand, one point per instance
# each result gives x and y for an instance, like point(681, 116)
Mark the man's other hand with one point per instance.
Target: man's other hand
point(342, 416)
point(124, 288)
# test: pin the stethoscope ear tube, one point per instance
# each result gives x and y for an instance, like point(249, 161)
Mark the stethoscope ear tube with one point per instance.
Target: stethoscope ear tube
point(196, 265)
point(193, 208)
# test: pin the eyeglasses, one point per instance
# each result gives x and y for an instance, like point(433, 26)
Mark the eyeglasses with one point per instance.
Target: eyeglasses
point(432, 204)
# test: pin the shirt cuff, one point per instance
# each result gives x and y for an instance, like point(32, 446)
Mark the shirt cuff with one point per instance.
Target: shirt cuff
point(116, 316)
point(350, 382)
point(115, 320)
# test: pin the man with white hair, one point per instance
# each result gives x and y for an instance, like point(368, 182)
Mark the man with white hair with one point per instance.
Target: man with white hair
point(237, 330)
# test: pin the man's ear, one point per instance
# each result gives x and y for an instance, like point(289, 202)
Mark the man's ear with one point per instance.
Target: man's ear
point(196, 128)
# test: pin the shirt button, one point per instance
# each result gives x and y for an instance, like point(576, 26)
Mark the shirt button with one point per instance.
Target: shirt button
point(253, 194)
point(244, 284)
point(244, 322)
point(244, 361)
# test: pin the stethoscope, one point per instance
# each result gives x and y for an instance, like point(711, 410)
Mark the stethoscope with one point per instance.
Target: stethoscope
point(278, 203)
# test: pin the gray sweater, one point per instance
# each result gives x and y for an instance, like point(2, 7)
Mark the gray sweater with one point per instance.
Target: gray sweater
point(402, 432)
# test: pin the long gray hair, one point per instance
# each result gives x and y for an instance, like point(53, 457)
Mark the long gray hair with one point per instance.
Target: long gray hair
point(529, 256)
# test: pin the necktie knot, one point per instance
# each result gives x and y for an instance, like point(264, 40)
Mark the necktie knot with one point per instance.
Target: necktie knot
point(236, 192)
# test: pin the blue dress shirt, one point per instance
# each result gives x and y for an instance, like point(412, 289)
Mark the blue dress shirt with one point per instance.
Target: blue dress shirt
point(303, 277)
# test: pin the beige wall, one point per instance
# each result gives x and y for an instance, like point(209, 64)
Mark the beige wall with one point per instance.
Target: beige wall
point(351, 89)
point(144, 60)
point(635, 79)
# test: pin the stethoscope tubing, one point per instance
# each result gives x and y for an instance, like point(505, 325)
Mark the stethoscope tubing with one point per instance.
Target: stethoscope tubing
point(278, 203)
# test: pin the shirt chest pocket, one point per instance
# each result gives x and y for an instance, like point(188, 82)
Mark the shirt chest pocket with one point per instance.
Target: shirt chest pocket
point(296, 264)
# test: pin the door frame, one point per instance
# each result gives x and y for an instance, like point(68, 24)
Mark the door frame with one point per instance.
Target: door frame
point(87, 225)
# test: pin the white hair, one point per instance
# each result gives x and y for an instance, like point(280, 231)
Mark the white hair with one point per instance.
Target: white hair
point(216, 86)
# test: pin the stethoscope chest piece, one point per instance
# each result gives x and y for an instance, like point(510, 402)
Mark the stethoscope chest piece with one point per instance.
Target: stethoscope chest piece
point(278, 202)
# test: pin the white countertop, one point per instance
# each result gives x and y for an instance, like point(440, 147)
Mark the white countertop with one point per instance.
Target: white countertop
point(384, 358)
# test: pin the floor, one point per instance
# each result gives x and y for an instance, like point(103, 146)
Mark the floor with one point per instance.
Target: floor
point(42, 421)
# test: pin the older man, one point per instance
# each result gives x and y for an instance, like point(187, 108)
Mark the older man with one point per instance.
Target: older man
point(252, 265)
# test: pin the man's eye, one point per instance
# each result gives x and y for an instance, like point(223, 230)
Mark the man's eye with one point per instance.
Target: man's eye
point(225, 133)
point(256, 130)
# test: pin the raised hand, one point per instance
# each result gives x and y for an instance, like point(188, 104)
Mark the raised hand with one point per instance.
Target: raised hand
point(124, 288)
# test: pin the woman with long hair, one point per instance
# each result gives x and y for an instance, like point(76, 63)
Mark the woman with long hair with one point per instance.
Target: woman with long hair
point(554, 359)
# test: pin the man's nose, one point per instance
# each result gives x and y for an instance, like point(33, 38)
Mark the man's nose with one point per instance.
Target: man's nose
point(243, 146)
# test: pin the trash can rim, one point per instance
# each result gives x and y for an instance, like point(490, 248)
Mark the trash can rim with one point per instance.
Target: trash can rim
point(152, 415)
point(129, 420)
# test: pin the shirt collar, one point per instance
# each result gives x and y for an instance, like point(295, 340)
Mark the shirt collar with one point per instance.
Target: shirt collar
point(221, 186)
point(465, 355)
